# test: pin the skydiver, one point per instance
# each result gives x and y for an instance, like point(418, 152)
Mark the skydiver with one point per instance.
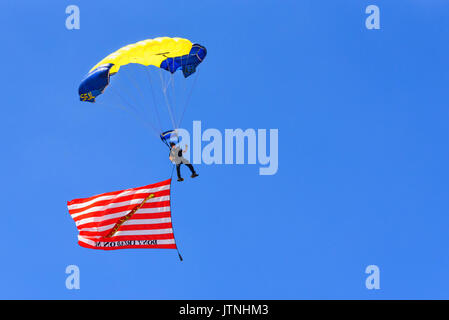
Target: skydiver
point(177, 158)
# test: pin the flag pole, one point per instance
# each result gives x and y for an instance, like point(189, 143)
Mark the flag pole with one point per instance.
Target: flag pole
point(176, 243)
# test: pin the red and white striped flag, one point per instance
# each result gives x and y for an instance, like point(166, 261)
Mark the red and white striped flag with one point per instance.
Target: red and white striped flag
point(131, 218)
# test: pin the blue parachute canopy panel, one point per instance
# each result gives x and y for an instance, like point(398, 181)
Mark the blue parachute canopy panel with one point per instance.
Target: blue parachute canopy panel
point(187, 63)
point(94, 83)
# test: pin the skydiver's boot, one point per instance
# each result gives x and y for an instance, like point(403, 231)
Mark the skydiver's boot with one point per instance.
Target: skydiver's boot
point(180, 179)
point(194, 174)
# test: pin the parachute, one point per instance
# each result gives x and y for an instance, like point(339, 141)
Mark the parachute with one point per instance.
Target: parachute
point(170, 54)
point(163, 54)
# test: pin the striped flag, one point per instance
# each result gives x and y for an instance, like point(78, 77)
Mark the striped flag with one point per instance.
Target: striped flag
point(131, 218)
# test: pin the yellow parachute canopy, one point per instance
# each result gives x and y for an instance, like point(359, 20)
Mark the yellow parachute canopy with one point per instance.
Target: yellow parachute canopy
point(147, 52)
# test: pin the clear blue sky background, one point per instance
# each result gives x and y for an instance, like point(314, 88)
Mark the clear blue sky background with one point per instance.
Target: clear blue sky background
point(363, 151)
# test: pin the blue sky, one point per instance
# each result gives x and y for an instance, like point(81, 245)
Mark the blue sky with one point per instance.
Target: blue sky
point(363, 151)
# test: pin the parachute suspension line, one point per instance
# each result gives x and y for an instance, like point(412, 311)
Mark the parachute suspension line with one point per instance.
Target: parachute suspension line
point(116, 91)
point(172, 76)
point(188, 97)
point(127, 109)
point(171, 92)
point(131, 107)
point(174, 238)
point(134, 82)
point(184, 86)
point(165, 80)
point(167, 102)
point(154, 99)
